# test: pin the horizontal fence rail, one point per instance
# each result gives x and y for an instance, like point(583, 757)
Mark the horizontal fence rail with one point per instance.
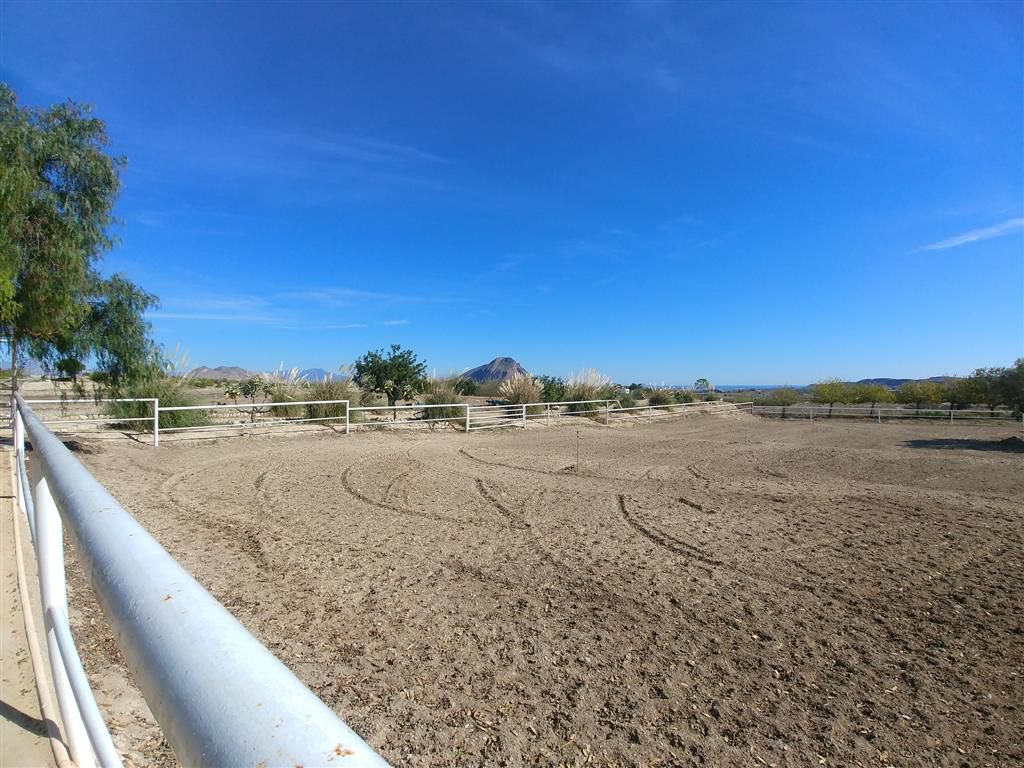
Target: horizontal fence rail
point(220, 697)
point(811, 412)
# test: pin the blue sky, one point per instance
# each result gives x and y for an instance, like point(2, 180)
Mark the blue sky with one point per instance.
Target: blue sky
point(757, 193)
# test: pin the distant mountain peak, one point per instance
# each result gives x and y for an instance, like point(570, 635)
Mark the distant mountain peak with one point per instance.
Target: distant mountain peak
point(499, 369)
point(221, 372)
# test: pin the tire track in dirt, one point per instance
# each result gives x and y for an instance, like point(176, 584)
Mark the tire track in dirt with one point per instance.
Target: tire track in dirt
point(346, 482)
point(514, 520)
point(242, 536)
point(663, 539)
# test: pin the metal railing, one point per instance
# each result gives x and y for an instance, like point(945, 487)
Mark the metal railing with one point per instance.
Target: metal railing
point(220, 697)
point(465, 416)
point(811, 412)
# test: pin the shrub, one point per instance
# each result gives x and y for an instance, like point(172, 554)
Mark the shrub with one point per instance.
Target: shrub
point(627, 401)
point(661, 397)
point(443, 393)
point(284, 395)
point(169, 391)
point(552, 389)
point(332, 389)
point(586, 385)
point(712, 397)
point(684, 396)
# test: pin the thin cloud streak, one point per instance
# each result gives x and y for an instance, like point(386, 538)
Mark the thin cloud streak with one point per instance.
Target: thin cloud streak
point(986, 233)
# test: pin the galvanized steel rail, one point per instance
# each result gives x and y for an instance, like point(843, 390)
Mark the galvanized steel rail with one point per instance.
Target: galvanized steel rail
point(221, 698)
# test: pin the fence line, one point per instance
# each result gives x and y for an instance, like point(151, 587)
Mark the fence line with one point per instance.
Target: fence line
point(810, 412)
point(220, 697)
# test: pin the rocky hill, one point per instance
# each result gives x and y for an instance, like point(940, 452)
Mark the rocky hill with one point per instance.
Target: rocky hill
point(499, 369)
point(226, 372)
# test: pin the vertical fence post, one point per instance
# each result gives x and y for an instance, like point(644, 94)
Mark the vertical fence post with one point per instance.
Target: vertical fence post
point(950, 415)
point(812, 413)
point(524, 415)
point(156, 422)
point(607, 408)
point(650, 415)
point(879, 414)
point(348, 418)
point(547, 418)
point(467, 417)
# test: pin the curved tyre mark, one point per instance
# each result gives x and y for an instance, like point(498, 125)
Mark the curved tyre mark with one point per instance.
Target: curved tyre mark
point(662, 539)
point(515, 520)
point(346, 483)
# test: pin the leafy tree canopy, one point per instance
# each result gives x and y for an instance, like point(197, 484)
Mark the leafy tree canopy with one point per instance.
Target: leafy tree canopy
point(831, 391)
point(58, 186)
point(919, 392)
point(871, 393)
point(397, 375)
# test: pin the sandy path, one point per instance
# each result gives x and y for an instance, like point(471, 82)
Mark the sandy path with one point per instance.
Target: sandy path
point(713, 590)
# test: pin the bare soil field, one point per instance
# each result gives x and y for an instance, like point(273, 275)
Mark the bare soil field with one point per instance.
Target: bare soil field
point(713, 590)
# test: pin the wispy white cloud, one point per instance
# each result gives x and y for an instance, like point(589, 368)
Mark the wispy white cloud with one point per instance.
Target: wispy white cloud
point(985, 233)
point(394, 322)
point(347, 297)
point(344, 326)
point(218, 318)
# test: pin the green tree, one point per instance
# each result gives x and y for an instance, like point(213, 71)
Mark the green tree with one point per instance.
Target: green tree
point(917, 393)
point(871, 393)
point(784, 397)
point(58, 186)
point(703, 385)
point(552, 389)
point(1011, 386)
point(397, 376)
point(70, 368)
point(988, 388)
point(830, 391)
point(962, 393)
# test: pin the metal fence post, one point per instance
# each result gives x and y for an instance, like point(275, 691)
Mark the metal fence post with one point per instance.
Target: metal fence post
point(348, 417)
point(547, 417)
point(467, 416)
point(650, 415)
point(156, 422)
point(606, 412)
point(811, 412)
point(524, 415)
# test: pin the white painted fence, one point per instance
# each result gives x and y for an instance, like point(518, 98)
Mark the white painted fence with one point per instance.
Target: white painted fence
point(811, 412)
point(220, 697)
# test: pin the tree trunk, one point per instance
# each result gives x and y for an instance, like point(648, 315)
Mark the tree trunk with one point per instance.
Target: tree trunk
point(14, 363)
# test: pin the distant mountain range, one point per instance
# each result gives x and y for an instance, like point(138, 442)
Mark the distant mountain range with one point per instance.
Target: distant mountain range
point(499, 369)
point(234, 373)
point(225, 372)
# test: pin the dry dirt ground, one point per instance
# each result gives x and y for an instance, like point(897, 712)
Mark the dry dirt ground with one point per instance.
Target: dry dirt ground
point(712, 590)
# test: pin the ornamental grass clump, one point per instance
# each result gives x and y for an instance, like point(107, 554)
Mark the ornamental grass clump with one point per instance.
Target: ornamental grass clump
point(443, 393)
point(586, 385)
point(521, 389)
point(331, 388)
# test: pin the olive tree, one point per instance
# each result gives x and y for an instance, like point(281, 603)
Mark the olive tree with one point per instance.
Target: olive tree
point(830, 391)
point(917, 393)
point(871, 393)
